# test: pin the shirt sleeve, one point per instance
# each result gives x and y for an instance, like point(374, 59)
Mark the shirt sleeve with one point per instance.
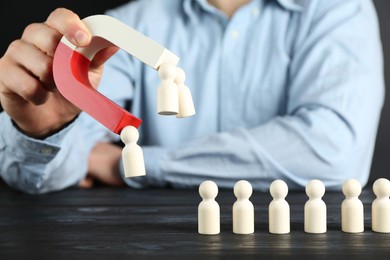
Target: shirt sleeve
point(58, 162)
point(32, 165)
point(334, 98)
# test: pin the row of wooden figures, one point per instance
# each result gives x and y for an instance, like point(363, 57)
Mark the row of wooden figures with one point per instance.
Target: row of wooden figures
point(352, 213)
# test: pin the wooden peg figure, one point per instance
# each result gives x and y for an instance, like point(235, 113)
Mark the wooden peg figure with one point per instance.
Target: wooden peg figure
point(352, 211)
point(132, 155)
point(186, 104)
point(315, 208)
point(243, 210)
point(208, 210)
point(168, 91)
point(279, 210)
point(381, 206)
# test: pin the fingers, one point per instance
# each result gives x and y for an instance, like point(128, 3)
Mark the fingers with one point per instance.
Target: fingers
point(86, 183)
point(28, 87)
point(103, 164)
point(26, 68)
point(69, 24)
point(42, 37)
point(33, 60)
point(45, 36)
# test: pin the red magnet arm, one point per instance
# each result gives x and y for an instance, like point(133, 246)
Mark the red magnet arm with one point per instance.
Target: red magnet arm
point(70, 70)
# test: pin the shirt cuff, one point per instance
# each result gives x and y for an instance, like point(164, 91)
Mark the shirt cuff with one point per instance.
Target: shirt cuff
point(27, 148)
point(152, 157)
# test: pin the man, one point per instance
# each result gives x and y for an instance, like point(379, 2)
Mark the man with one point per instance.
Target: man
point(283, 89)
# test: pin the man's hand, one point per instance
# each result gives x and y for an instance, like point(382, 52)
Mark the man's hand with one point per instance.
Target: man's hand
point(27, 90)
point(103, 166)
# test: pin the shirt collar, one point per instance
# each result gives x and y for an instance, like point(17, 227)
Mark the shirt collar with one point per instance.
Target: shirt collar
point(292, 5)
point(189, 5)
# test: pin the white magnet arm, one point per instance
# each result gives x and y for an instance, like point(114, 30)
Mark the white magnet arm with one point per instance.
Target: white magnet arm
point(174, 98)
point(125, 37)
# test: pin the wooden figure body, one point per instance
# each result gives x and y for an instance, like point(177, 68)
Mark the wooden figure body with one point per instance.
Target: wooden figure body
point(315, 208)
point(243, 210)
point(132, 155)
point(208, 209)
point(381, 206)
point(352, 211)
point(279, 210)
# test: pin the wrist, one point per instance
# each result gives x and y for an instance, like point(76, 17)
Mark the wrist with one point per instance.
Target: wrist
point(42, 134)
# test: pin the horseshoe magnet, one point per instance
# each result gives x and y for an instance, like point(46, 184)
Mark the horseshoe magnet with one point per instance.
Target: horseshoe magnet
point(70, 70)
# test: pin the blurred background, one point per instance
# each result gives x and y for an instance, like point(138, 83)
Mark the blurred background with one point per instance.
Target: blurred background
point(16, 15)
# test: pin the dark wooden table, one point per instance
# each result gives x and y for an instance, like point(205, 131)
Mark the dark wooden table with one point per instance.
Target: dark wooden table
point(157, 223)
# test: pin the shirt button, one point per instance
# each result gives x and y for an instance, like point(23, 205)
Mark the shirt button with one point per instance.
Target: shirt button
point(234, 34)
point(255, 11)
point(46, 150)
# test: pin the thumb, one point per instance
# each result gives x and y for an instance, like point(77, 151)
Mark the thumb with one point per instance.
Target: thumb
point(69, 24)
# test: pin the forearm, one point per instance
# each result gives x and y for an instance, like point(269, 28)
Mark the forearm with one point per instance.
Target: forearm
point(314, 143)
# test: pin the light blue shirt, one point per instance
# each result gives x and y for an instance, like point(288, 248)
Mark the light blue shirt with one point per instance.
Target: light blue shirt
point(284, 89)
